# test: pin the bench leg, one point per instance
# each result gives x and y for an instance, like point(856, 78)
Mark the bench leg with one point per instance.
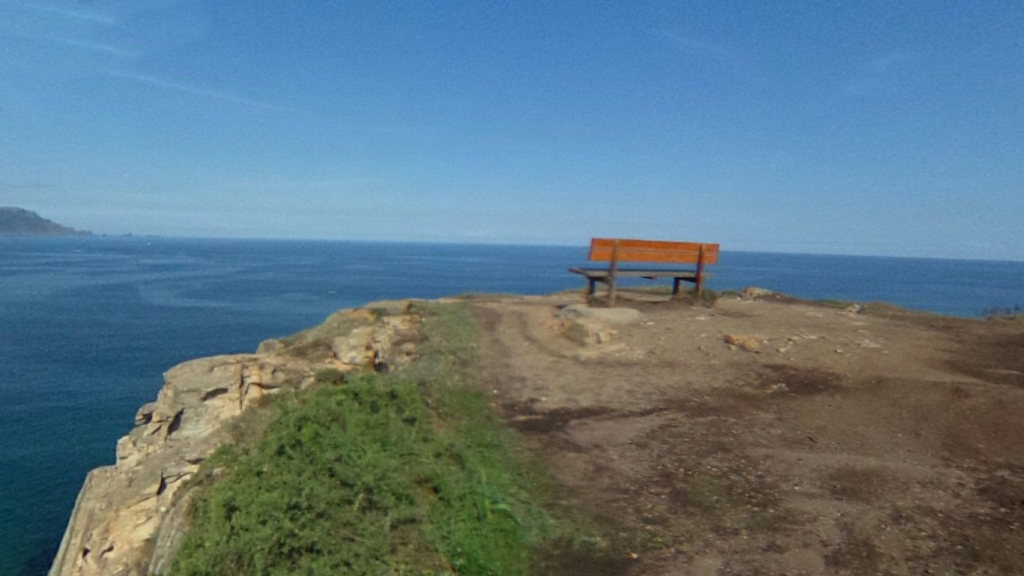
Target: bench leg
point(613, 272)
point(700, 277)
point(591, 289)
point(675, 288)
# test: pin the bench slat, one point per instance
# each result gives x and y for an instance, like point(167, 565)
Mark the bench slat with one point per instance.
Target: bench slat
point(650, 256)
point(650, 244)
point(604, 273)
point(602, 249)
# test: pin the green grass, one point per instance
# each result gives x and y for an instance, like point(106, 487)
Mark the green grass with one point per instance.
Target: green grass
point(836, 303)
point(409, 473)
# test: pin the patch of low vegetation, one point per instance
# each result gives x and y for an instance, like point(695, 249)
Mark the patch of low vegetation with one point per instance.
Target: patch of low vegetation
point(449, 347)
point(831, 303)
point(406, 473)
point(331, 376)
point(315, 344)
point(485, 295)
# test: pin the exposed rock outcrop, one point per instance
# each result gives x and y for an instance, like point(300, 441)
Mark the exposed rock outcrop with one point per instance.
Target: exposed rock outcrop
point(129, 517)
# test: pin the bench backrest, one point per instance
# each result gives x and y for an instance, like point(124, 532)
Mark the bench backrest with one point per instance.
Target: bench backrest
point(622, 250)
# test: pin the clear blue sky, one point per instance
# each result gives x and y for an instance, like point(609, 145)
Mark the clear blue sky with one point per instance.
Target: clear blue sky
point(872, 127)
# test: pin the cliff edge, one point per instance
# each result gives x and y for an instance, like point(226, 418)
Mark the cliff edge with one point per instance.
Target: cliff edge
point(129, 517)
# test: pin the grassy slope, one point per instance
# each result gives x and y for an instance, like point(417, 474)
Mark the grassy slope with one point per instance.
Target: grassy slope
point(411, 473)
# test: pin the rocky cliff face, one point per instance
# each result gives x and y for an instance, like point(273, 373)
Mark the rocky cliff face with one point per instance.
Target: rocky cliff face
point(129, 517)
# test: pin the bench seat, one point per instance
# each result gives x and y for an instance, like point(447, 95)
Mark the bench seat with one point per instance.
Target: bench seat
point(615, 251)
point(601, 273)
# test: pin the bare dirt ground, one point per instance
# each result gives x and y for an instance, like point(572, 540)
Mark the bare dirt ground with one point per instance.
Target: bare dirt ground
point(821, 441)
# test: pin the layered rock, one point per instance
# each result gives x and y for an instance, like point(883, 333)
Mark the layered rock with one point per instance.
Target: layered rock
point(130, 517)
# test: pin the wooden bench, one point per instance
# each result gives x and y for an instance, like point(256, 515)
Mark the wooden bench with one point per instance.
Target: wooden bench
point(615, 251)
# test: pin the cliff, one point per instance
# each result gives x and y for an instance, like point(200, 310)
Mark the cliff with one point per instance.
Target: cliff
point(21, 222)
point(761, 434)
point(129, 517)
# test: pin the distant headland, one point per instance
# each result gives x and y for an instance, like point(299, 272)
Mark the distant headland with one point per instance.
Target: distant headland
point(21, 222)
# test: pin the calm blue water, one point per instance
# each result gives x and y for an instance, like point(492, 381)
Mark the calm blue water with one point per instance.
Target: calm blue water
point(87, 327)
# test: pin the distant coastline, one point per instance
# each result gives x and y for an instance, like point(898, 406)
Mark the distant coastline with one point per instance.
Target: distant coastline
point(22, 222)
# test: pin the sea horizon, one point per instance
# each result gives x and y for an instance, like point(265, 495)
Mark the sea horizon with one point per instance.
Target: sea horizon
point(497, 243)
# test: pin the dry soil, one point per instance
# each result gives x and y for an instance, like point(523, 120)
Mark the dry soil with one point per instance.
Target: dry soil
point(772, 436)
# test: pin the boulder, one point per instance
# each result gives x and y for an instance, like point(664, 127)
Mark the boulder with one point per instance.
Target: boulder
point(587, 332)
point(754, 292)
point(746, 343)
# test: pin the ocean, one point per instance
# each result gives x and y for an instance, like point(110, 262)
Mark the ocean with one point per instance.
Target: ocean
point(88, 326)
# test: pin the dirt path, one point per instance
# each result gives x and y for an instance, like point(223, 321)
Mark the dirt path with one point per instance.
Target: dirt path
point(822, 441)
